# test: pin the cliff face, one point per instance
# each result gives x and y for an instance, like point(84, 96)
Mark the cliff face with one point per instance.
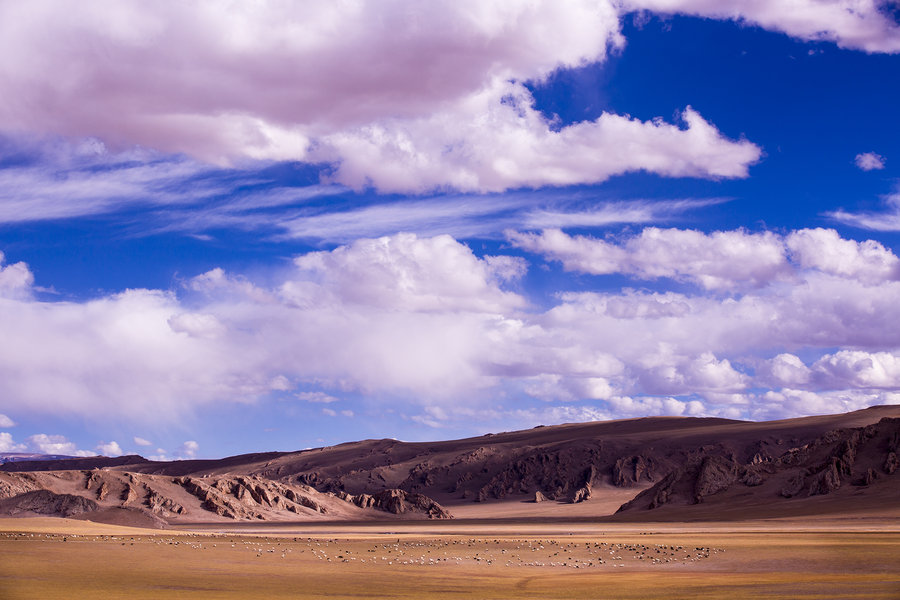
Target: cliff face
point(684, 461)
point(161, 499)
point(842, 461)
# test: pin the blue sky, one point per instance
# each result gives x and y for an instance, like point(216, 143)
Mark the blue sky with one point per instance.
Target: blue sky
point(285, 226)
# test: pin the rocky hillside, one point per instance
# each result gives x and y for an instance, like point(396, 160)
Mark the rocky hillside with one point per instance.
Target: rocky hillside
point(158, 500)
point(842, 464)
point(667, 465)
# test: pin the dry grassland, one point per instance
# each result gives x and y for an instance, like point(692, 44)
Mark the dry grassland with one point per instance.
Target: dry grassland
point(55, 558)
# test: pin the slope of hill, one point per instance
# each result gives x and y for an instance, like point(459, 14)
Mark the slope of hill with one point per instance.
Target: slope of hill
point(660, 468)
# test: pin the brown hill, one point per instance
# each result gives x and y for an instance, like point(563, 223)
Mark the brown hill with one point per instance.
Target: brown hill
point(105, 494)
point(660, 467)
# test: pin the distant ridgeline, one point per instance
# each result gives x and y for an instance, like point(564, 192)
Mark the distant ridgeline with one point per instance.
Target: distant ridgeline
point(677, 467)
point(8, 457)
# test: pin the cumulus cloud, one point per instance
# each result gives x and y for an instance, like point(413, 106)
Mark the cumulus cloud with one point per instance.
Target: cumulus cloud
point(109, 449)
point(7, 444)
point(55, 444)
point(824, 249)
point(490, 145)
point(777, 404)
point(859, 369)
point(142, 442)
point(857, 24)
point(616, 407)
point(15, 279)
point(426, 321)
point(196, 325)
point(188, 449)
point(784, 370)
point(869, 161)
point(721, 260)
point(400, 100)
point(6, 421)
point(406, 272)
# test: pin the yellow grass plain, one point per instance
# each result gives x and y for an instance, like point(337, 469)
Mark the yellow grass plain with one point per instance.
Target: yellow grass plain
point(63, 559)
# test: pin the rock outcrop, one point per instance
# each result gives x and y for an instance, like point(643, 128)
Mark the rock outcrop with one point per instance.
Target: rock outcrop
point(45, 502)
point(817, 468)
point(400, 502)
point(631, 470)
point(163, 506)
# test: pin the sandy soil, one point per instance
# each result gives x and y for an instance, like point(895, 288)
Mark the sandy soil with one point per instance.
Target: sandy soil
point(605, 501)
point(836, 558)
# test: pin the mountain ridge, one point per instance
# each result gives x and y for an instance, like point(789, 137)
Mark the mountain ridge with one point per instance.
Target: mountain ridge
point(661, 467)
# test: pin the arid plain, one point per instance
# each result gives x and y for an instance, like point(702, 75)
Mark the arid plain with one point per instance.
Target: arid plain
point(647, 508)
point(40, 558)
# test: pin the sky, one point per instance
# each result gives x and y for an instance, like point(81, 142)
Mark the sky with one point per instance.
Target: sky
point(239, 227)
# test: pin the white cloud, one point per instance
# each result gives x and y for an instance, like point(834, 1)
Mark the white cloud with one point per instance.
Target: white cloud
point(6, 421)
point(616, 407)
point(718, 260)
point(784, 370)
point(400, 100)
point(478, 217)
point(317, 397)
point(825, 250)
point(109, 449)
point(7, 444)
point(556, 387)
point(141, 441)
point(488, 145)
point(791, 402)
point(55, 444)
point(869, 161)
point(859, 369)
point(15, 279)
point(886, 220)
point(857, 24)
point(721, 260)
point(64, 182)
point(406, 272)
point(425, 321)
point(161, 455)
point(188, 450)
point(329, 412)
point(612, 213)
point(55, 178)
point(197, 325)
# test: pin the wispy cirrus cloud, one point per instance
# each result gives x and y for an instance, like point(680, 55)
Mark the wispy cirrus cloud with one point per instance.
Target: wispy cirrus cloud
point(52, 179)
point(887, 219)
point(472, 216)
point(147, 192)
